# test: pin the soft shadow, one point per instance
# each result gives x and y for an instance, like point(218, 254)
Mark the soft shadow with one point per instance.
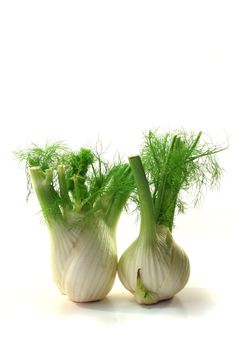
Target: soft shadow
point(190, 302)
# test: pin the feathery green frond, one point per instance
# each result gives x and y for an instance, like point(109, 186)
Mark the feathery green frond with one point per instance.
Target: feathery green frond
point(82, 182)
point(174, 163)
point(44, 157)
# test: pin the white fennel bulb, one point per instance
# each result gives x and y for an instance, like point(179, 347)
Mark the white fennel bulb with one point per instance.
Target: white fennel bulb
point(84, 260)
point(154, 269)
point(81, 197)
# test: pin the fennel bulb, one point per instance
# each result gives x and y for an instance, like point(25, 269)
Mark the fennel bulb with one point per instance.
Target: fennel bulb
point(84, 260)
point(81, 197)
point(154, 267)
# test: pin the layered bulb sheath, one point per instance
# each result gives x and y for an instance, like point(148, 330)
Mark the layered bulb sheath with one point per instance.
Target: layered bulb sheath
point(154, 270)
point(84, 260)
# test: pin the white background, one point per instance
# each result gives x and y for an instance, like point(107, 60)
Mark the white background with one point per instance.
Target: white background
point(79, 70)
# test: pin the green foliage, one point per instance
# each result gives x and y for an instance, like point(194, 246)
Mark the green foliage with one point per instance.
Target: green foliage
point(46, 158)
point(175, 163)
point(76, 165)
point(79, 181)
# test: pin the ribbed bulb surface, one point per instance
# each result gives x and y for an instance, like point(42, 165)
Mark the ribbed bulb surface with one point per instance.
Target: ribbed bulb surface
point(84, 261)
point(154, 270)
